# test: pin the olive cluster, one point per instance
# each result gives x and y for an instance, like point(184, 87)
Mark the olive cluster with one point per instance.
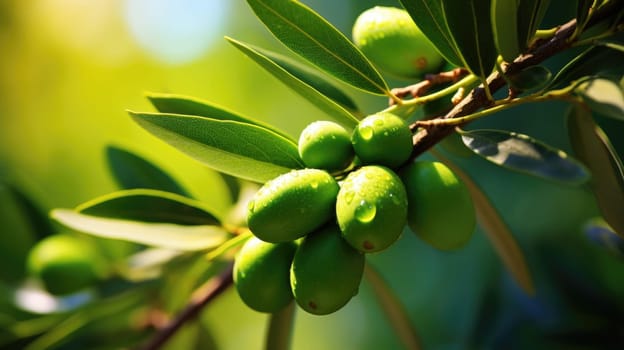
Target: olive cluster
point(311, 230)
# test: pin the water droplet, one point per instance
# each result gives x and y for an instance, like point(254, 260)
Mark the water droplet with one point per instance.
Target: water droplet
point(386, 133)
point(378, 122)
point(349, 196)
point(365, 212)
point(251, 206)
point(366, 132)
point(314, 184)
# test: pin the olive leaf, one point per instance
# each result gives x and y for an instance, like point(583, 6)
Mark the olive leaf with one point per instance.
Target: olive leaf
point(505, 27)
point(151, 206)
point(604, 97)
point(429, 17)
point(148, 217)
point(530, 16)
point(262, 57)
point(470, 25)
point(132, 171)
point(600, 233)
point(239, 149)
point(180, 104)
point(309, 35)
point(525, 154)
point(530, 78)
point(592, 146)
point(597, 61)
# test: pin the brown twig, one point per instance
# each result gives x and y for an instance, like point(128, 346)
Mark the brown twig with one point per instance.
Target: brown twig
point(200, 298)
point(430, 81)
point(426, 138)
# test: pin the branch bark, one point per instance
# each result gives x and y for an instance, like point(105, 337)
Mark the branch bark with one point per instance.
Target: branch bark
point(424, 139)
point(201, 297)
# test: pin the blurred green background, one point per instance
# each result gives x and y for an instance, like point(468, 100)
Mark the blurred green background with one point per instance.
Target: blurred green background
point(70, 68)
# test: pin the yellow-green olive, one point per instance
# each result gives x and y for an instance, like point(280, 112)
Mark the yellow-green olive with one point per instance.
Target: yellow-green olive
point(261, 274)
point(371, 208)
point(391, 40)
point(292, 205)
point(325, 145)
point(382, 139)
point(326, 272)
point(64, 263)
point(440, 208)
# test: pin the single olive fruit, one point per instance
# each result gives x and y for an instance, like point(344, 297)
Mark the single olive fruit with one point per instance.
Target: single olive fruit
point(325, 145)
point(391, 40)
point(64, 263)
point(371, 208)
point(292, 205)
point(261, 274)
point(440, 209)
point(383, 139)
point(326, 272)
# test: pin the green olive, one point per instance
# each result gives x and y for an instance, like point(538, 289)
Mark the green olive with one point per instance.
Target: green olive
point(64, 263)
point(440, 208)
point(261, 274)
point(391, 40)
point(292, 205)
point(325, 145)
point(371, 208)
point(326, 272)
point(382, 139)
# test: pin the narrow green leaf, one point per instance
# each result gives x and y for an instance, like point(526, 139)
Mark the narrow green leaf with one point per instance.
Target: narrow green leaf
point(504, 23)
point(132, 171)
point(524, 154)
point(604, 97)
point(151, 206)
point(239, 149)
point(530, 78)
point(602, 234)
point(429, 17)
point(309, 76)
point(308, 34)
point(180, 104)
point(592, 147)
point(596, 61)
point(331, 108)
point(497, 231)
point(470, 24)
point(582, 12)
point(530, 16)
point(166, 235)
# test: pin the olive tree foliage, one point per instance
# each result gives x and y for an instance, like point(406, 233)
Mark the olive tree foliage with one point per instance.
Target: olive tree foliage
point(495, 52)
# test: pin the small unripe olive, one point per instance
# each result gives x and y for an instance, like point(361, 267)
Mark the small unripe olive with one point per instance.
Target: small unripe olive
point(326, 272)
point(64, 263)
point(261, 274)
point(371, 208)
point(292, 205)
point(440, 208)
point(382, 139)
point(325, 145)
point(391, 40)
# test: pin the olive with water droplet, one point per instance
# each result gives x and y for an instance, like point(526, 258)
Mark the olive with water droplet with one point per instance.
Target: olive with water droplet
point(262, 274)
point(292, 205)
point(326, 272)
point(371, 208)
point(325, 145)
point(382, 139)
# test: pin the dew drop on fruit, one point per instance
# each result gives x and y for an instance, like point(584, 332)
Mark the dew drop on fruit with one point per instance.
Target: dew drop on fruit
point(349, 196)
point(366, 132)
point(365, 212)
point(379, 122)
point(314, 185)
